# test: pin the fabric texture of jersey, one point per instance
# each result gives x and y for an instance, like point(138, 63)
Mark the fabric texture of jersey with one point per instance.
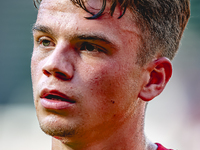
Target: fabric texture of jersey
point(160, 147)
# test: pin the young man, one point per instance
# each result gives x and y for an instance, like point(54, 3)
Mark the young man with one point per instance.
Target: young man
point(97, 63)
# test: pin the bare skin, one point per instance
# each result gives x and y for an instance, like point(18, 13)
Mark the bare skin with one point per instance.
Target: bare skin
point(92, 65)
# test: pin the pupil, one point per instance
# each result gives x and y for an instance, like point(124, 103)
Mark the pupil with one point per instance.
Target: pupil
point(89, 47)
point(46, 43)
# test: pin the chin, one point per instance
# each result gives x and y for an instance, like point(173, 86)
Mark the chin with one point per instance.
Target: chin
point(58, 127)
point(57, 131)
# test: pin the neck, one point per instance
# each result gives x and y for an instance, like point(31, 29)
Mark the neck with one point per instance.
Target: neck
point(128, 136)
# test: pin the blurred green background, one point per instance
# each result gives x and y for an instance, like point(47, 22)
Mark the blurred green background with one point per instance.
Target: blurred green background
point(172, 119)
point(17, 18)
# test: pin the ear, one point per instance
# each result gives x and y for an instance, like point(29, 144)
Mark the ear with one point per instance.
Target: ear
point(158, 74)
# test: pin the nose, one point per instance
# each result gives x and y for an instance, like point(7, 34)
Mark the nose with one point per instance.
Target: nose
point(58, 65)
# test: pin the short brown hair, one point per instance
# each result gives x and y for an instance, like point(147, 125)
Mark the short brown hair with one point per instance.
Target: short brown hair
point(163, 22)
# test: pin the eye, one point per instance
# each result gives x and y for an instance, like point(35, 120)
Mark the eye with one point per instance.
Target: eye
point(45, 42)
point(91, 47)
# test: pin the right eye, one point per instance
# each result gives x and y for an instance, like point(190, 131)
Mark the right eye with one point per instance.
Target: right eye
point(45, 43)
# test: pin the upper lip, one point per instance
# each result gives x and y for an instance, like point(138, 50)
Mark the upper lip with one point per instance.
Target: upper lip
point(55, 95)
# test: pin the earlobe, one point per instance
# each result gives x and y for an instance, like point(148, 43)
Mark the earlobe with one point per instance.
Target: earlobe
point(160, 72)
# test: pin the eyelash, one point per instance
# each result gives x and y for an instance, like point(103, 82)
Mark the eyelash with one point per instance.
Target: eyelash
point(41, 41)
point(91, 47)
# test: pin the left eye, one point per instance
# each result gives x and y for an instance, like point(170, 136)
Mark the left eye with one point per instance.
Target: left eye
point(90, 47)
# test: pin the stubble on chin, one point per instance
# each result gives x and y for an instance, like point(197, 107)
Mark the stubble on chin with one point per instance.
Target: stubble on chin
point(58, 131)
point(54, 128)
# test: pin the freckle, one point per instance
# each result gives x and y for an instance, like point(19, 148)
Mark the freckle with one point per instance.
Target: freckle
point(112, 101)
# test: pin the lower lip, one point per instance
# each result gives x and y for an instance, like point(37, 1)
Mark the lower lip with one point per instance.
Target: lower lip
point(55, 104)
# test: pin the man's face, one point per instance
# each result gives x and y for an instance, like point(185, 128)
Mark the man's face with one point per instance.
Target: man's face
point(84, 72)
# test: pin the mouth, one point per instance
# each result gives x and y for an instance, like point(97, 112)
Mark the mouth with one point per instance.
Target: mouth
point(53, 99)
point(56, 96)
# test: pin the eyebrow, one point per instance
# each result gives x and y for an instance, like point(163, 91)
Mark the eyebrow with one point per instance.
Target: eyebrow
point(41, 28)
point(88, 36)
point(95, 38)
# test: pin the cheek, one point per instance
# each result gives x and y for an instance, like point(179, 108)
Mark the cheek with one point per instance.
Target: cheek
point(109, 83)
point(33, 69)
point(109, 92)
point(36, 72)
point(36, 66)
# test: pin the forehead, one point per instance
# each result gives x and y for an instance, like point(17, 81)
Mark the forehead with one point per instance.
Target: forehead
point(65, 17)
point(68, 6)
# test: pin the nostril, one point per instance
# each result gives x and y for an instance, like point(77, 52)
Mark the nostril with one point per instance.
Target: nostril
point(62, 76)
point(46, 72)
point(59, 71)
